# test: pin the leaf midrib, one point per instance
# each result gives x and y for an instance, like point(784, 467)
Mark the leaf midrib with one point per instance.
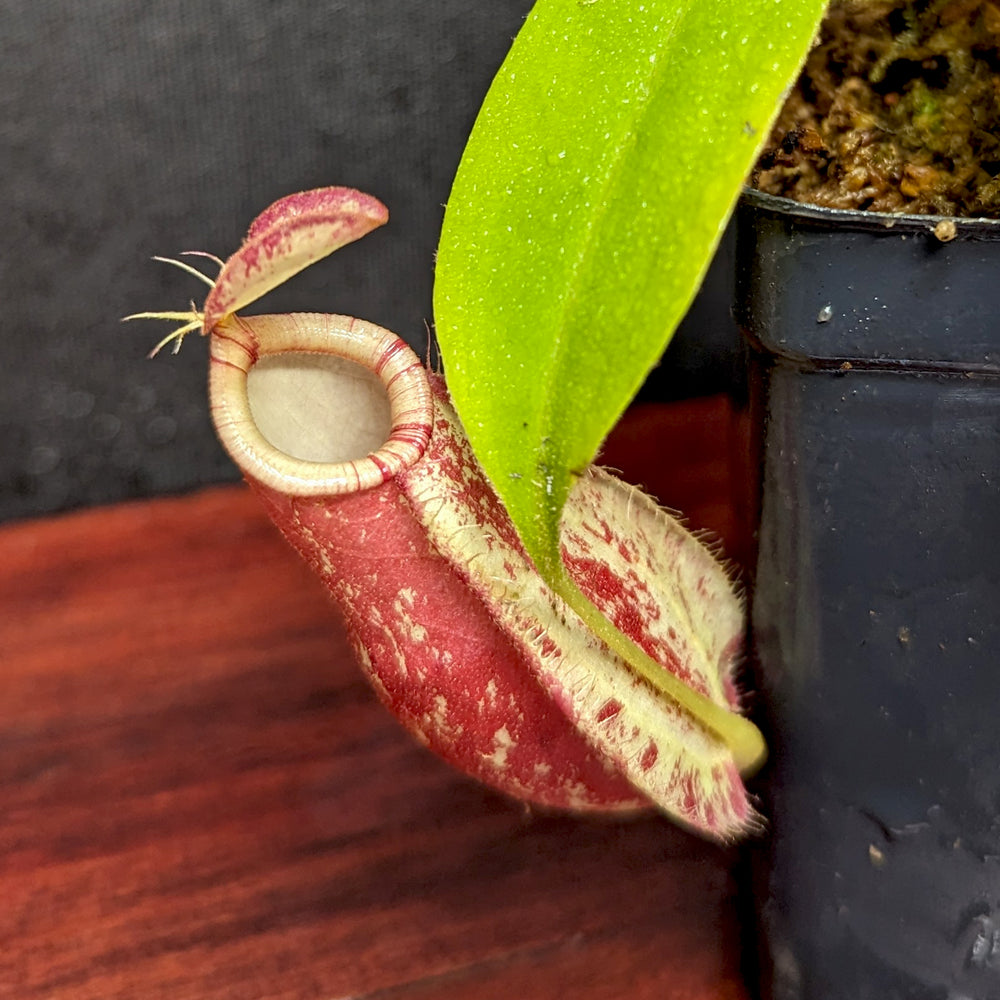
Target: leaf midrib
point(585, 254)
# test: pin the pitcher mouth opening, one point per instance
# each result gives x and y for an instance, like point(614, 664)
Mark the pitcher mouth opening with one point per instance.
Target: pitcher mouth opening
point(316, 405)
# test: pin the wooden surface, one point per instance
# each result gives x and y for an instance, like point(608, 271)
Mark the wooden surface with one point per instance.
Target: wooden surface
point(200, 797)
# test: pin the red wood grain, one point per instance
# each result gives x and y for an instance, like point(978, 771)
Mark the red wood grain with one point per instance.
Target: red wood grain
point(200, 798)
point(694, 457)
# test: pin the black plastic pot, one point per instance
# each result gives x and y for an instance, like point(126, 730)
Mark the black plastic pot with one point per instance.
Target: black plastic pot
point(875, 388)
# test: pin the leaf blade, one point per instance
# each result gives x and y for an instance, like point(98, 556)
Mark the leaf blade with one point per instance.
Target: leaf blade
point(583, 218)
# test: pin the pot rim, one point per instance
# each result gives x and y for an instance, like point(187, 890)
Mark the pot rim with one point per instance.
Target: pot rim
point(871, 222)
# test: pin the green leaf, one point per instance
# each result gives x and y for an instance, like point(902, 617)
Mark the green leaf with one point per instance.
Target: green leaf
point(594, 188)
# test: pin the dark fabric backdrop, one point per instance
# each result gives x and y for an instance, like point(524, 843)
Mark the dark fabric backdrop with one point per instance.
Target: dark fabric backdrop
point(129, 129)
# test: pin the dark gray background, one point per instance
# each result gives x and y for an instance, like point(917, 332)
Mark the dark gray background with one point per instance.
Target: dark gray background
point(128, 129)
